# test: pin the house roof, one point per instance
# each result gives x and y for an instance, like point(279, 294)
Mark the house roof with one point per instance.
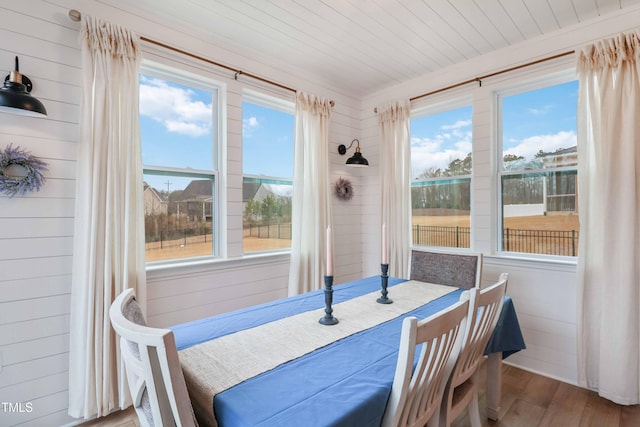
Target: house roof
point(362, 46)
point(198, 189)
point(155, 193)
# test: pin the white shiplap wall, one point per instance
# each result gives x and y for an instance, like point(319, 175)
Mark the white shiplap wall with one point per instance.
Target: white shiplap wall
point(544, 293)
point(36, 231)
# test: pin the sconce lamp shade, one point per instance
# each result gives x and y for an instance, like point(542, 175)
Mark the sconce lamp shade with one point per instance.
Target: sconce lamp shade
point(357, 160)
point(15, 97)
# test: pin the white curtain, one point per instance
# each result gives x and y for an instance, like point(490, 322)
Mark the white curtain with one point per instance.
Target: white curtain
point(311, 205)
point(108, 254)
point(609, 203)
point(395, 183)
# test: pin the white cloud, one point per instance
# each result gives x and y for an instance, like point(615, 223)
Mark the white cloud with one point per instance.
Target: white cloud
point(457, 125)
point(249, 125)
point(174, 108)
point(528, 147)
point(540, 111)
point(427, 154)
point(442, 149)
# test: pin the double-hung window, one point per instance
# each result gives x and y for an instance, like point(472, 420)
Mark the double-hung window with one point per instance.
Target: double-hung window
point(441, 162)
point(179, 132)
point(267, 168)
point(538, 169)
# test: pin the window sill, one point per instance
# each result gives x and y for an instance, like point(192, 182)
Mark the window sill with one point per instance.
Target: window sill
point(525, 260)
point(211, 265)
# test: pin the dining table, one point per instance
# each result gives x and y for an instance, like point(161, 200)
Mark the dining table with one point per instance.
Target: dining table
point(275, 364)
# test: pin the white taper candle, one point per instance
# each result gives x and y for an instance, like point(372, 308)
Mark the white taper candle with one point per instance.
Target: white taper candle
point(329, 253)
point(384, 244)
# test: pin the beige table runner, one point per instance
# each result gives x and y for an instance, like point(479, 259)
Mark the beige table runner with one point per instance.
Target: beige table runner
point(214, 366)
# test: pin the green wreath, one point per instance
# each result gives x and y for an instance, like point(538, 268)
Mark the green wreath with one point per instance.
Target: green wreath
point(33, 180)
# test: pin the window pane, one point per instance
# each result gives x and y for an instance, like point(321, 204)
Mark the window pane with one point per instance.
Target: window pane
point(178, 131)
point(267, 162)
point(178, 217)
point(441, 205)
point(539, 190)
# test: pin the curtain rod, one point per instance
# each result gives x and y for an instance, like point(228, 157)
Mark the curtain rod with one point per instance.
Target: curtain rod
point(76, 16)
point(479, 79)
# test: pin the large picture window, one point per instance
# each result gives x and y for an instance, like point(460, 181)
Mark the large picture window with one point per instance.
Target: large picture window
point(267, 167)
point(179, 136)
point(538, 173)
point(441, 165)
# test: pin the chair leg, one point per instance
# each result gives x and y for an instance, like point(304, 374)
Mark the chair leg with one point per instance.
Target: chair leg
point(474, 410)
point(434, 421)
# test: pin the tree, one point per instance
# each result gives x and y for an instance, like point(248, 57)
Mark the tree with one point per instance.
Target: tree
point(251, 211)
point(459, 167)
point(269, 208)
point(511, 158)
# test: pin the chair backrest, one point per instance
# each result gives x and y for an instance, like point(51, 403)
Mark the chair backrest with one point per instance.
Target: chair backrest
point(417, 392)
point(462, 270)
point(154, 373)
point(484, 310)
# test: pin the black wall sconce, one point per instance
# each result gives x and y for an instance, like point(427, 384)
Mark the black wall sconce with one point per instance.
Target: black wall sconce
point(15, 96)
point(355, 160)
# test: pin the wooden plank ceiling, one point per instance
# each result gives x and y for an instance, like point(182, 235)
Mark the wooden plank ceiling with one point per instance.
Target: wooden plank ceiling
point(361, 46)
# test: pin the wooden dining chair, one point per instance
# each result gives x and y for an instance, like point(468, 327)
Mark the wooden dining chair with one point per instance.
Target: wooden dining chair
point(416, 393)
point(462, 388)
point(154, 374)
point(462, 270)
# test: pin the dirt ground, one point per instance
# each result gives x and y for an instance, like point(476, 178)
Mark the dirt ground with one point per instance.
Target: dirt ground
point(198, 248)
point(556, 222)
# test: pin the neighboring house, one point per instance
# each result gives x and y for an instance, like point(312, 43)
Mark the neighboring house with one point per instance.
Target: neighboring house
point(561, 189)
point(154, 202)
point(553, 193)
point(196, 200)
point(257, 190)
point(275, 190)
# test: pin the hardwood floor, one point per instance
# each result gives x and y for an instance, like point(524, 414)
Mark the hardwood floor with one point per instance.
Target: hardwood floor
point(528, 400)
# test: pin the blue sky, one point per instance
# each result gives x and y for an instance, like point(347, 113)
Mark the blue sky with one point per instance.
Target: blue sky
point(176, 123)
point(176, 131)
point(267, 144)
point(541, 119)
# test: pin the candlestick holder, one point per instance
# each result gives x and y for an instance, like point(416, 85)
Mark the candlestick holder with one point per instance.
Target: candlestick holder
point(328, 318)
point(384, 281)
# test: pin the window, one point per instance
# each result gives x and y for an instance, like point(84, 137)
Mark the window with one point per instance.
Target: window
point(179, 135)
point(441, 178)
point(267, 167)
point(538, 173)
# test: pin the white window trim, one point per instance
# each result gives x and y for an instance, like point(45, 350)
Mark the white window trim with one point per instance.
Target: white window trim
point(177, 70)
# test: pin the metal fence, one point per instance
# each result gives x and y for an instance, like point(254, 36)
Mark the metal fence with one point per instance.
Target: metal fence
point(268, 231)
point(451, 237)
point(179, 237)
point(548, 242)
